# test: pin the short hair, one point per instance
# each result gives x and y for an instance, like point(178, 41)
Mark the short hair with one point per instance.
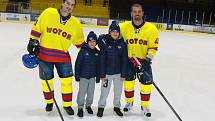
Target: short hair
point(136, 5)
point(65, 0)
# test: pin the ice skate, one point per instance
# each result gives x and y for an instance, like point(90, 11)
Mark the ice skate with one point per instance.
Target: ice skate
point(146, 111)
point(128, 107)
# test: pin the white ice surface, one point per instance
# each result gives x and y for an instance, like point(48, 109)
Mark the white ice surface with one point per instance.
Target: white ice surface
point(184, 70)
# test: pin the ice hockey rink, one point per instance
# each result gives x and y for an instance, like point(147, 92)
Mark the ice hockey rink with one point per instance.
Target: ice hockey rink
point(183, 69)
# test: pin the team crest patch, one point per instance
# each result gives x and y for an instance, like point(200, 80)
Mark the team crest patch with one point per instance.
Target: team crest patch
point(87, 54)
point(119, 47)
point(137, 31)
point(96, 54)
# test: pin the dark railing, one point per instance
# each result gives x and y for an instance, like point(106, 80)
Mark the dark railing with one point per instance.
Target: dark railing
point(163, 11)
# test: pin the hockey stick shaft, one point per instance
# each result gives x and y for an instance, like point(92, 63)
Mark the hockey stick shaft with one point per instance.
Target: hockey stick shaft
point(162, 95)
point(160, 92)
point(55, 102)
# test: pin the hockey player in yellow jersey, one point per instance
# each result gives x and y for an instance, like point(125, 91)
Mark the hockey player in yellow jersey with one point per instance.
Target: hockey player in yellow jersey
point(142, 41)
point(51, 36)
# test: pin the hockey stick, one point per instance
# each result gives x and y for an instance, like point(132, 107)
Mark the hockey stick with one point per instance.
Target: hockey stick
point(147, 74)
point(55, 102)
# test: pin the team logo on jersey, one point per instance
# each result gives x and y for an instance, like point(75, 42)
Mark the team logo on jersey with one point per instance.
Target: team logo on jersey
point(87, 54)
point(59, 32)
point(136, 41)
point(96, 54)
point(137, 31)
point(119, 47)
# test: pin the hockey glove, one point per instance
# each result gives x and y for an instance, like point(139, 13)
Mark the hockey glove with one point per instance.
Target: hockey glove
point(133, 62)
point(33, 47)
point(145, 65)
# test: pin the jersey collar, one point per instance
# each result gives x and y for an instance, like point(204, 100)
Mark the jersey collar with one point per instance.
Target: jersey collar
point(137, 27)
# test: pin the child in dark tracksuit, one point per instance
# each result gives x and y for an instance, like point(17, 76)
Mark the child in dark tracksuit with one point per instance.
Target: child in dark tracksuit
point(113, 65)
point(87, 73)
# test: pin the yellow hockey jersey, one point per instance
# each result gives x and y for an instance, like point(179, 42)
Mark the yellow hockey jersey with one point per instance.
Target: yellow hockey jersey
point(141, 42)
point(56, 38)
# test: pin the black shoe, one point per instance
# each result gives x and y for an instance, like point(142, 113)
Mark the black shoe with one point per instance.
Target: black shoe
point(89, 110)
point(69, 110)
point(80, 112)
point(118, 111)
point(49, 107)
point(100, 112)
